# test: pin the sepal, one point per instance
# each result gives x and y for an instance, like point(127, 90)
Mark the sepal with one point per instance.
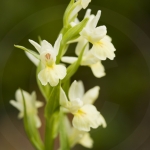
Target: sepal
point(45, 90)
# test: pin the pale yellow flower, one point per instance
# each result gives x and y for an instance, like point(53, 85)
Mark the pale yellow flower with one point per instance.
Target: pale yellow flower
point(31, 104)
point(51, 72)
point(76, 136)
point(102, 45)
point(80, 105)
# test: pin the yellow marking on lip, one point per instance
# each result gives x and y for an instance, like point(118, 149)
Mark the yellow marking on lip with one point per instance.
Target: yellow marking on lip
point(80, 113)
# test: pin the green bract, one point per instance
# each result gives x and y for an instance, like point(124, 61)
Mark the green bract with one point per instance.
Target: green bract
point(36, 55)
point(73, 67)
point(71, 34)
point(31, 130)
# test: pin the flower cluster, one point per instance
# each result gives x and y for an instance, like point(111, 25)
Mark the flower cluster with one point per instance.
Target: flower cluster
point(53, 78)
point(31, 103)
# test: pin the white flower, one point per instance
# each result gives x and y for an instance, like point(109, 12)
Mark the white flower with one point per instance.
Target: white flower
point(31, 104)
point(78, 5)
point(51, 72)
point(84, 3)
point(102, 46)
point(77, 137)
point(76, 20)
point(80, 105)
point(88, 59)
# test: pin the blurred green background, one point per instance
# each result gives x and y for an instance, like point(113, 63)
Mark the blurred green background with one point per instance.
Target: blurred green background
point(125, 90)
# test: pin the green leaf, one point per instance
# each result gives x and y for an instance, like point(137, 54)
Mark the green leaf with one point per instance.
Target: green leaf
point(64, 141)
point(53, 102)
point(74, 31)
point(29, 51)
point(30, 128)
point(71, 34)
point(74, 67)
point(45, 90)
point(66, 86)
point(51, 115)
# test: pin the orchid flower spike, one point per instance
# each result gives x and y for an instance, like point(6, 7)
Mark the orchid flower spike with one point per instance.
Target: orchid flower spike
point(80, 105)
point(102, 46)
point(31, 104)
point(51, 73)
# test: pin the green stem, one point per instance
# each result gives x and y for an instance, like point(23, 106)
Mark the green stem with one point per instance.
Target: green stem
point(51, 115)
point(64, 140)
point(49, 140)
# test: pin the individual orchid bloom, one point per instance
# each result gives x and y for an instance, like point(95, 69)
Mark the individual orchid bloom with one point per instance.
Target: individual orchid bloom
point(31, 104)
point(76, 136)
point(77, 6)
point(88, 59)
point(102, 46)
point(51, 72)
point(80, 105)
point(84, 3)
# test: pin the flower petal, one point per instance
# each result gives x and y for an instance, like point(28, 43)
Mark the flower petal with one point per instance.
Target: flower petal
point(85, 3)
point(19, 98)
point(102, 121)
point(87, 117)
point(91, 95)
point(52, 75)
point(89, 59)
point(63, 98)
point(20, 115)
point(103, 49)
point(38, 121)
point(108, 38)
point(43, 76)
point(48, 75)
point(98, 69)
point(60, 71)
point(46, 46)
point(38, 104)
point(36, 45)
point(86, 140)
point(32, 58)
point(80, 46)
point(75, 105)
point(69, 60)
point(99, 33)
point(17, 105)
point(68, 125)
point(57, 44)
point(88, 13)
point(53, 78)
point(76, 90)
point(80, 123)
point(93, 23)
